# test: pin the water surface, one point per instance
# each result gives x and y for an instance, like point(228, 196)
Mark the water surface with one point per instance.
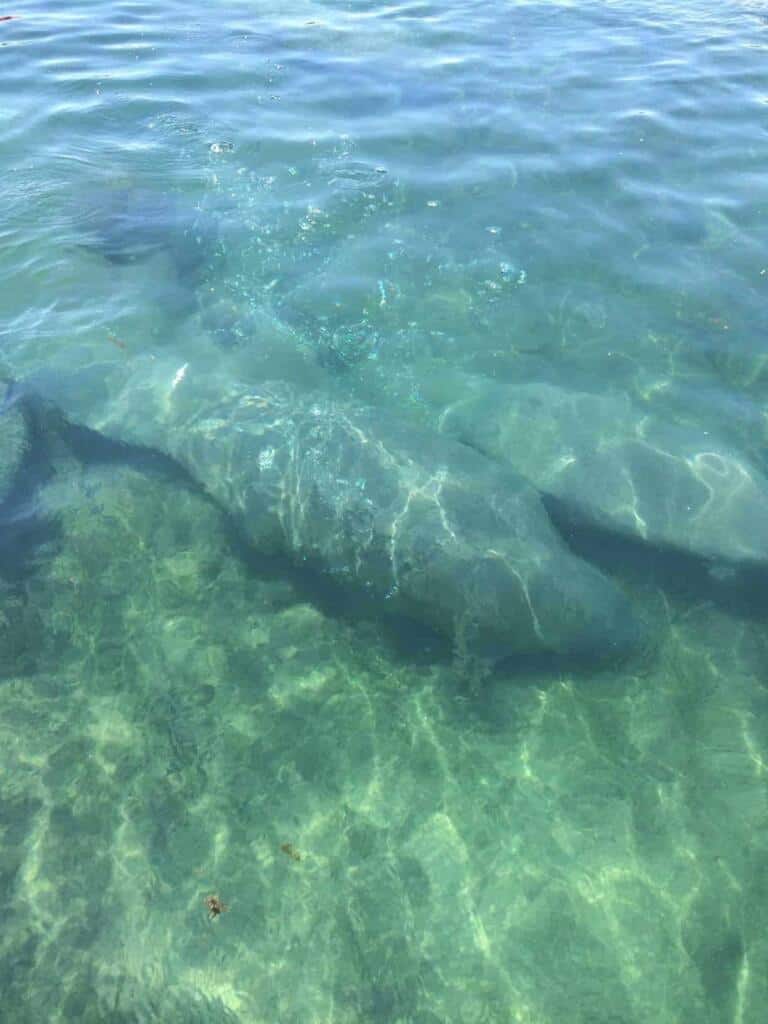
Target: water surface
point(397, 206)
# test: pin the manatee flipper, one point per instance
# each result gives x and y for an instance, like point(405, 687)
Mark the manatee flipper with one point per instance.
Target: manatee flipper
point(128, 225)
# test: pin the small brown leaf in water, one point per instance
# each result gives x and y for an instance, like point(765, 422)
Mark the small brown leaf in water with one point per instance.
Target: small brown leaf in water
point(215, 906)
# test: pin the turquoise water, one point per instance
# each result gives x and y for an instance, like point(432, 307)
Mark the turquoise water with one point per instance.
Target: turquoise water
point(508, 263)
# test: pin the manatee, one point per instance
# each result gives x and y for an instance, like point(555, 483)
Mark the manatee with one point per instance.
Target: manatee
point(421, 523)
point(620, 466)
point(127, 225)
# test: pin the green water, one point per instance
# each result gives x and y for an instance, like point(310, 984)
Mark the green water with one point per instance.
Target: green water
point(397, 206)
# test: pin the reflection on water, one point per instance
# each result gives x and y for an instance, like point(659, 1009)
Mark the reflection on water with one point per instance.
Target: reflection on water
point(382, 490)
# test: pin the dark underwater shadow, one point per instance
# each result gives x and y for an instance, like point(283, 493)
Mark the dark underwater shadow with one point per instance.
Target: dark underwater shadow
point(23, 530)
point(27, 539)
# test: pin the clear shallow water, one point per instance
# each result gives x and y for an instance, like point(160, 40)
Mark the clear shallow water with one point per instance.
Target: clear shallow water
point(403, 207)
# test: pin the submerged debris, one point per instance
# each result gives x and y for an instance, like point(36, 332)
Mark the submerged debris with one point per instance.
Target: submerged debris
point(215, 906)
